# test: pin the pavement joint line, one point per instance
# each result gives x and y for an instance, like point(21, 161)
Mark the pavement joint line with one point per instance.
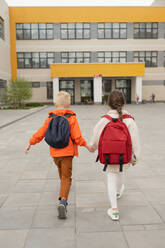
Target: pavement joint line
point(23, 117)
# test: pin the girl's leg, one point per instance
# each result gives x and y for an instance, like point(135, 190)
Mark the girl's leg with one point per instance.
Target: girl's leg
point(112, 189)
point(120, 181)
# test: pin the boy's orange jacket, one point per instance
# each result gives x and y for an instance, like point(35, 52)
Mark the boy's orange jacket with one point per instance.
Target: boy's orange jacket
point(72, 148)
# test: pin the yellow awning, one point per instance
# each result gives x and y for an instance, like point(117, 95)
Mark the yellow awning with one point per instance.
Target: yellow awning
point(89, 70)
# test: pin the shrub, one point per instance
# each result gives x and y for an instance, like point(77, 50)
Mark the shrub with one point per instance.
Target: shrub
point(17, 92)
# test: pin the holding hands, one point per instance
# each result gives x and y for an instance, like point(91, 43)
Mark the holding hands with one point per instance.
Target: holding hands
point(90, 149)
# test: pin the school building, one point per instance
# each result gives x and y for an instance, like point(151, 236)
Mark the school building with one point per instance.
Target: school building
point(87, 51)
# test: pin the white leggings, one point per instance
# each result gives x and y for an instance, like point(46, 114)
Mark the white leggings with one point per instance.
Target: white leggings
point(114, 182)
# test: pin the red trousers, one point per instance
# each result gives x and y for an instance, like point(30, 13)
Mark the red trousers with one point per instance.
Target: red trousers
point(64, 165)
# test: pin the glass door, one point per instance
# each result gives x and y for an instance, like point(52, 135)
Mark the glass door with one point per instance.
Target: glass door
point(124, 85)
point(86, 88)
point(68, 86)
point(106, 89)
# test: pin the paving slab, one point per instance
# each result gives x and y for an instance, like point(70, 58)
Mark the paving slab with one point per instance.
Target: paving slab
point(13, 238)
point(29, 186)
point(90, 220)
point(160, 210)
point(143, 239)
point(92, 200)
point(135, 215)
point(90, 187)
point(133, 198)
point(155, 196)
point(50, 238)
point(47, 217)
point(22, 200)
point(16, 218)
point(101, 239)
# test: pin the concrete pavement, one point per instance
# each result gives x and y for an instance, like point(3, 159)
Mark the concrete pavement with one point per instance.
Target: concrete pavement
point(29, 187)
point(7, 117)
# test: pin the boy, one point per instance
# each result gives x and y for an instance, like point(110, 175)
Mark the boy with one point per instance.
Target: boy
point(62, 156)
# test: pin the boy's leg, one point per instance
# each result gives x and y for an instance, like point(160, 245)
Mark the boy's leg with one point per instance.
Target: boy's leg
point(58, 163)
point(64, 165)
point(66, 176)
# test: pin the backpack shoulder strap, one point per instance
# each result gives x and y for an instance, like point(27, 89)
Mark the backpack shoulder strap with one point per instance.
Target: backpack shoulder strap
point(108, 117)
point(68, 115)
point(125, 116)
point(52, 115)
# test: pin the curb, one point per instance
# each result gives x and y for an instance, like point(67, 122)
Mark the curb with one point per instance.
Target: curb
point(23, 117)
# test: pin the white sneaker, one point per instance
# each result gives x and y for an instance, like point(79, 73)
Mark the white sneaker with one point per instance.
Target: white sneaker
point(114, 214)
point(119, 194)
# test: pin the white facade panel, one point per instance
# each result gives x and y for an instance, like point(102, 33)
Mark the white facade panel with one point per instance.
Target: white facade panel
point(55, 87)
point(97, 85)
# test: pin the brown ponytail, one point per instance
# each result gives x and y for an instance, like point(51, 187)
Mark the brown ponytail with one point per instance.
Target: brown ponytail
point(116, 101)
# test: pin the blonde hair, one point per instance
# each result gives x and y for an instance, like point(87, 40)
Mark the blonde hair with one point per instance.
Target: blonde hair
point(62, 99)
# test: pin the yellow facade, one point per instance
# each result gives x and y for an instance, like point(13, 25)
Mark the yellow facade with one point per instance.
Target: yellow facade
point(78, 14)
point(105, 70)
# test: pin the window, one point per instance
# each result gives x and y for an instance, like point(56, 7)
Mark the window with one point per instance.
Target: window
point(34, 31)
point(146, 30)
point(68, 86)
point(75, 57)
point(75, 31)
point(35, 84)
point(112, 57)
point(2, 83)
point(86, 91)
point(112, 30)
point(35, 60)
point(1, 28)
point(150, 58)
point(124, 85)
point(50, 90)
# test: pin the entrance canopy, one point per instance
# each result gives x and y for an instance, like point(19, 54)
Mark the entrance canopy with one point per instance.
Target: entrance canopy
point(103, 70)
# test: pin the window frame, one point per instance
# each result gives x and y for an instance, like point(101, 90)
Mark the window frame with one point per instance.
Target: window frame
point(23, 29)
point(111, 57)
point(75, 58)
point(141, 58)
point(3, 83)
point(49, 90)
point(31, 57)
point(36, 84)
point(139, 29)
point(74, 29)
point(2, 29)
point(111, 30)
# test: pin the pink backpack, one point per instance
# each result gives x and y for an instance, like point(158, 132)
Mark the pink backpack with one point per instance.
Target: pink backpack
point(115, 146)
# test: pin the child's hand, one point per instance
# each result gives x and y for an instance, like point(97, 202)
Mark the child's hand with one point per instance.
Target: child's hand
point(134, 163)
point(27, 148)
point(133, 160)
point(90, 149)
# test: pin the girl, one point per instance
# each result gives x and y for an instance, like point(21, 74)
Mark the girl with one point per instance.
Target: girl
point(115, 179)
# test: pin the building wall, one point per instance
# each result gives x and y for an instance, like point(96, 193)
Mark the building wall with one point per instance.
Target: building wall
point(93, 45)
point(5, 68)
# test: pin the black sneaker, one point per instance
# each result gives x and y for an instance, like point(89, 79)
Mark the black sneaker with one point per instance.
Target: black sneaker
point(62, 211)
